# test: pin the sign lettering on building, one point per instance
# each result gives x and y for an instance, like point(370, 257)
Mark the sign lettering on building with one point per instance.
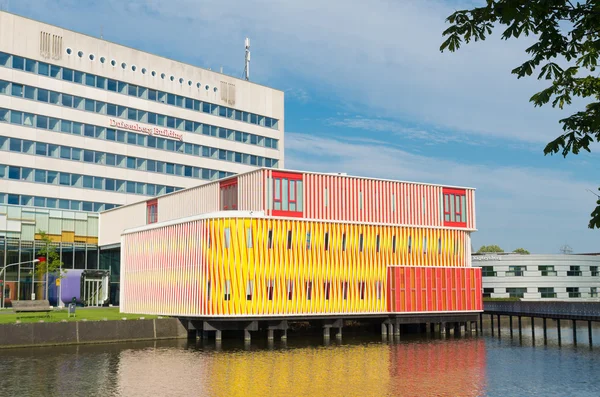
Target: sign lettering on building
point(486, 258)
point(154, 131)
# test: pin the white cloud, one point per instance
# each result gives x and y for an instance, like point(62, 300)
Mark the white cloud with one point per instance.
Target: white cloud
point(529, 207)
point(377, 57)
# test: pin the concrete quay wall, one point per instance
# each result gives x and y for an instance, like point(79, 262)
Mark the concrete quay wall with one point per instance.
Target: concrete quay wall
point(82, 332)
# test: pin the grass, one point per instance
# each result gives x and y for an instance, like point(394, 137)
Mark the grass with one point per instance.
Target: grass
point(7, 316)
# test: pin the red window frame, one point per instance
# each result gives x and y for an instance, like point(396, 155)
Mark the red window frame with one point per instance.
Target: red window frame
point(151, 211)
point(226, 188)
point(291, 177)
point(459, 194)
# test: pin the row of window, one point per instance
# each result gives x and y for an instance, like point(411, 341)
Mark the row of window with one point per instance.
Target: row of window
point(124, 112)
point(83, 181)
point(546, 270)
point(327, 242)
point(545, 292)
point(131, 138)
point(91, 80)
point(308, 289)
point(110, 159)
point(48, 202)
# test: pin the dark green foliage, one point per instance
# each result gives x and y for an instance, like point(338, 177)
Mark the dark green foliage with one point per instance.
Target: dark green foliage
point(568, 34)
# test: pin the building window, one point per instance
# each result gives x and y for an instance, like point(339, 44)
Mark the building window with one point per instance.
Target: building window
point(594, 270)
point(289, 239)
point(287, 197)
point(377, 243)
point(309, 290)
point(227, 237)
point(227, 290)
point(345, 290)
point(290, 289)
point(574, 271)
point(208, 291)
point(307, 240)
point(546, 292)
point(249, 237)
point(249, 290)
point(326, 288)
point(488, 271)
point(360, 243)
point(229, 194)
point(487, 292)
point(574, 292)
point(378, 289)
point(455, 207)
point(516, 292)
point(516, 271)
point(394, 244)
point(151, 211)
point(593, 292)
point(326, 241)
point(361, 289)
point(326, 197)
point(409, 244)
point(547, 270)
point(344, 241)
point(270, 288)
point(270, 239)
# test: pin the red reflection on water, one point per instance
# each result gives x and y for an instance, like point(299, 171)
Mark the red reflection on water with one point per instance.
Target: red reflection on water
point(441, 368)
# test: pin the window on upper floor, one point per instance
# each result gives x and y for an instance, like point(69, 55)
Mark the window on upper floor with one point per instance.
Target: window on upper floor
point(516, 292)
point(594, 270)
point(229, 194)
point(487, 292)
point(286, 192)
point(574, 292)
point(574, 271)
point(545, 292)
point(152, 211)
point(516, 270)
point(547, 270)
point(455, 207)
point(488, 271)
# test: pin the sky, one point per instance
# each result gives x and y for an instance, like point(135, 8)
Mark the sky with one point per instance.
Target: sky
point(368, 92)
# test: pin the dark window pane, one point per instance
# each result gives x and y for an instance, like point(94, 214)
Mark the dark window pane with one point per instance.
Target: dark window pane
point(54, 71)
point(30, 65)
point(42, 95)
point(67, 74)
point(17, 90)
point(18, 62)
point(111, 85)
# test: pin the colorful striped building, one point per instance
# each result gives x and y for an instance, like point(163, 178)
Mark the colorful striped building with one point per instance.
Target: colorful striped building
point(284, 244)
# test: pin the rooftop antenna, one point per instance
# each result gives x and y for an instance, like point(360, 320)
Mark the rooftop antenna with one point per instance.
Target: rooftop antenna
point(566, 249)
point(247, 63)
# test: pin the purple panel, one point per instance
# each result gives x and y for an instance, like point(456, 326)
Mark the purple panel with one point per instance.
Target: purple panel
point(71, 286)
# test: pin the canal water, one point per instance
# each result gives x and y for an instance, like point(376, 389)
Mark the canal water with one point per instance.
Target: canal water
point(357, 365)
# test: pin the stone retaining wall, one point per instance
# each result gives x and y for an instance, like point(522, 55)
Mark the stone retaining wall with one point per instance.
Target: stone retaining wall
point(80, 332)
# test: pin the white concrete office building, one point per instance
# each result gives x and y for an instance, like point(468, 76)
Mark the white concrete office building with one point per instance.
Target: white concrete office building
point(539, 276)
point(86, 124)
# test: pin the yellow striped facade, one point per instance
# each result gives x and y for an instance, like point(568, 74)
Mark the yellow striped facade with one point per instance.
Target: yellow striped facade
point(226, 266)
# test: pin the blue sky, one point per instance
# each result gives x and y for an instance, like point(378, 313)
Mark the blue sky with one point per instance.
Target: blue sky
point(369, 93)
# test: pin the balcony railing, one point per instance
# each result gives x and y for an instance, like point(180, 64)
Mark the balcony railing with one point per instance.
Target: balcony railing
point(574, 273)
point(549, 273)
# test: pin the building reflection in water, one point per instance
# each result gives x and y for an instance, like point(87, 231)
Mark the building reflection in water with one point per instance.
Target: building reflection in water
point(442, 368)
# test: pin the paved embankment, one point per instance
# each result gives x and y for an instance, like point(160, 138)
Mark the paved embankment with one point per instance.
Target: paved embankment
point(81, 332)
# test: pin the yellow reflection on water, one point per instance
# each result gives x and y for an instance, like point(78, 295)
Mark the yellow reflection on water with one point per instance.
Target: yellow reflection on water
point(434, 368)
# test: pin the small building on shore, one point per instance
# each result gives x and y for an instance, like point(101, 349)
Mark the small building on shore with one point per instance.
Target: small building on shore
point(559, 276)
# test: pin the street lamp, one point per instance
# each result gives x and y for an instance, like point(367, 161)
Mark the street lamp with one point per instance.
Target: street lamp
point(3, 273)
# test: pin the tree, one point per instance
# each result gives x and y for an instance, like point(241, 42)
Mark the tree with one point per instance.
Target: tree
point(521, 251)
point(489, 248)
point(52, 263)
point(566, 53)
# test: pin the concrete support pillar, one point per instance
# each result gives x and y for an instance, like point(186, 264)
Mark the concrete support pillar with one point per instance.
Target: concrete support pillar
point(558, 330)
point(590, 332)
point(498, 326)
point(481, 323)
point(574, 332)
point(284, 334)
point(247, 335)
point(339, 333)
point(510, 326)
point(218, 335)
point(545, 331)
point(492, 322)
point(390, 329)
point(520, 329)
point(326, 332)
point(384, 329)
point(533, 330)
point(474, 328)
point(467, 327)
point(270, 334)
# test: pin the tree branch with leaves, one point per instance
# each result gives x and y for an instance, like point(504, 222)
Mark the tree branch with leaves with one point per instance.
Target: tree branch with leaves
point(52, 263)
point(566, 54)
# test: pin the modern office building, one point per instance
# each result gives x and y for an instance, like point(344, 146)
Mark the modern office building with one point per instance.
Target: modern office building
point(275, 243)
point(539, 276)
point(88, 125)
